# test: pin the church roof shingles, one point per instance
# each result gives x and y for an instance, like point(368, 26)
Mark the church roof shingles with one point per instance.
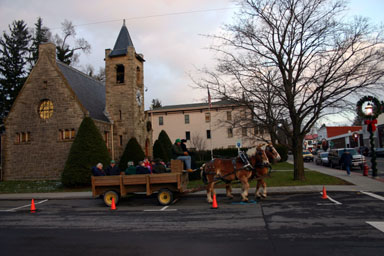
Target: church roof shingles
point(122, 43)
point(90, 92)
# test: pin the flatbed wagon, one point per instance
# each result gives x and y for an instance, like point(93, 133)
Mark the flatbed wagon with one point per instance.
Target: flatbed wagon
point(165, 184)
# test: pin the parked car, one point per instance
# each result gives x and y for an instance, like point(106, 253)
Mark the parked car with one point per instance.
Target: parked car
point(307, 156)
point(358, 161)
point(379, 152)
point(322, 158)
point(363, 150)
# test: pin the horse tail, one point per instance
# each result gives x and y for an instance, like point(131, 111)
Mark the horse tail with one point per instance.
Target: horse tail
point(203, 174)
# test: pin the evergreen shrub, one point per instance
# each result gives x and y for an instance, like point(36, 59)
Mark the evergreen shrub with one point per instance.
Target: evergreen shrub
point(133, 152)
point(86, 151)
point(166, 145)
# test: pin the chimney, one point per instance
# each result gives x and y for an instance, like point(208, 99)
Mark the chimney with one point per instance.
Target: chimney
point(49, 49)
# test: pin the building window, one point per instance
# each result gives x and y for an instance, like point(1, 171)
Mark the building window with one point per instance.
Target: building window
point(45, 109)
point(22, 137)
point(207, 117)
point(259, 130)
point(67, 134)
point(161, 120)
point(186, 119)
point(119, 74)
point(208, 134)
point(120, 115)
point(138, 76)
point(230, 132)
point(17, 138)
point(188, 135)
point(106, 137)
point(244, 131)
point(229, 116)
point(121, 140)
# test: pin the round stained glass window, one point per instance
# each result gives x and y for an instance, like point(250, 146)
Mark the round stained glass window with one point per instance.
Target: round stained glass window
point(45, 109)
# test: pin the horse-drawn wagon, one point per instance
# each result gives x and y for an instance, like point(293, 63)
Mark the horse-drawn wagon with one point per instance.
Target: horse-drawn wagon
point(167, 184)
point(164, 184)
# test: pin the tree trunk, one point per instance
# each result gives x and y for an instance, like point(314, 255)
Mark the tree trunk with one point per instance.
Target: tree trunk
point(297, 151)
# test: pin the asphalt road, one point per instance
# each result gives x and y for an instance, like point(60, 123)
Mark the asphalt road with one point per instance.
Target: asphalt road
point(286, 224)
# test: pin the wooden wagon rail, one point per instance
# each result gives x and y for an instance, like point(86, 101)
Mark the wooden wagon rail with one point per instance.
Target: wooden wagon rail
point(121, 185)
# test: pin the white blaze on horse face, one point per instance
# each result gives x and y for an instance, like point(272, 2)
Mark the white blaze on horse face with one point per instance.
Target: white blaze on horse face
point(275, 153)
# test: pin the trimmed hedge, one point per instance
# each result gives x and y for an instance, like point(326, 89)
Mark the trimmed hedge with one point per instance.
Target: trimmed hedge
point(166, 146)
point(133, 152)
point(86, 151)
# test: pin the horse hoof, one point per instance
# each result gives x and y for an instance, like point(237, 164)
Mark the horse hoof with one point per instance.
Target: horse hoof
point(264, 196)
point(230, 197)
point(245, 200)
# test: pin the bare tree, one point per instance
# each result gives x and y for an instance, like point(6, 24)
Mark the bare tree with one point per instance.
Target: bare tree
point(198, 144)
point(66, 53)
point(90, 70)
point(292, 60)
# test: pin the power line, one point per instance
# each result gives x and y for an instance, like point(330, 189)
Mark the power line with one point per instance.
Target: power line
point(154, 16)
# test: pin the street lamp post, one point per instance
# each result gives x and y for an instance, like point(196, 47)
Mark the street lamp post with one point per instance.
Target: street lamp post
point(370, 112)
point(370, 122)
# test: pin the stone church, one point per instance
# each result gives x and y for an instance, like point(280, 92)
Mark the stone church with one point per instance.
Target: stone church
point(47, 113)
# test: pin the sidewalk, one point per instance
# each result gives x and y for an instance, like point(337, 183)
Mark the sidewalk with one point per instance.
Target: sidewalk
point(360, 183)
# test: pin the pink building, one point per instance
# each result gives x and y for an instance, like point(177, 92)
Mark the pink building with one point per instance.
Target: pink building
point(203, 128)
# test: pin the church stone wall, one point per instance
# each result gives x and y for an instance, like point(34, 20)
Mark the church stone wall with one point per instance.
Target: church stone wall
point(43, 154)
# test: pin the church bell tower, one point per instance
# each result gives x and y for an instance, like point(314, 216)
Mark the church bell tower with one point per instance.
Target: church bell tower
point(124, 87)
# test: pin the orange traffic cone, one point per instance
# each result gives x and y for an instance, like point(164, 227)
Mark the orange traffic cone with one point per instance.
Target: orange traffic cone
point(33, 208)
point(113, 206)
point(214, 202)
point(324, 193)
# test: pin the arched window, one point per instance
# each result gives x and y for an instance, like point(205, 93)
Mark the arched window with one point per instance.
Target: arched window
point(120, 73)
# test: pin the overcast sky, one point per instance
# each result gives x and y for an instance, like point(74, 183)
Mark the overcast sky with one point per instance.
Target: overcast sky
point(172, 43)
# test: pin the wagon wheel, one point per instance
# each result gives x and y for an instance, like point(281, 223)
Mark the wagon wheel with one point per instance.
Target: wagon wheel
point(108, 198)
point(165, 196)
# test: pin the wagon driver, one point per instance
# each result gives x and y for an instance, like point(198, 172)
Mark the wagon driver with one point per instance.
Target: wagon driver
point(178, 153)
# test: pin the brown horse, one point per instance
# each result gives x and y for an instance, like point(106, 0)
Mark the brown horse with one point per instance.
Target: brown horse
point(262, 171)
point(228, 170)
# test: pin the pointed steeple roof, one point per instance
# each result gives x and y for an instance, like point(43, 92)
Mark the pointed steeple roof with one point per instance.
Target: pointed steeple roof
point(122, 43)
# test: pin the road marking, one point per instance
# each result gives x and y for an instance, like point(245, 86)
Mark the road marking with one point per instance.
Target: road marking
point(165, 208)
point(377, 224)
point(373, 195)
point(331, 199)
point(28, 205)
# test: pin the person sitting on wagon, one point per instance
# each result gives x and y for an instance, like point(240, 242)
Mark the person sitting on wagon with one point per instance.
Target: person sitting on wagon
point(178, 153)
point(131, 169)
point(142, 169)
point(158, 167)
point(112, 169)
point(98, 170)
point(148, 164)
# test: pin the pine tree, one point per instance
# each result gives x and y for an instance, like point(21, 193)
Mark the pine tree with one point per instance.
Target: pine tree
point(41, 35)
point(87, 150)
point(166, 144)
point(133, 152)
point(13, 53)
